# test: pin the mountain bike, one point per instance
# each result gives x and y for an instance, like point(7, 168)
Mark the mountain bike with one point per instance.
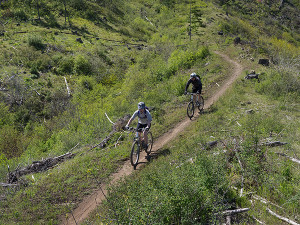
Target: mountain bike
point(191, 105)
point(138, 145)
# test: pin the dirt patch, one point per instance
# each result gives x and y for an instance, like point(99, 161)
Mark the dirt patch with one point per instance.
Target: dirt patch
point(91, 202)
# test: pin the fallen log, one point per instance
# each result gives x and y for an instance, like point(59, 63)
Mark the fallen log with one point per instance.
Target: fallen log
point(232, 212)
point(37, 166)
point(117, 126)
point(290, 158)
point(274, 143)
point(265, 201)
point(281, 217)
point(8, 185)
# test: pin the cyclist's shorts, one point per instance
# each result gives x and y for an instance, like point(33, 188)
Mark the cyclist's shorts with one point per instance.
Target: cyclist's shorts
point(195, 90)
point(141, 126)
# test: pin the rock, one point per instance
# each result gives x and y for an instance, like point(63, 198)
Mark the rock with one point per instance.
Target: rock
point(79, 40)
point(264, 62)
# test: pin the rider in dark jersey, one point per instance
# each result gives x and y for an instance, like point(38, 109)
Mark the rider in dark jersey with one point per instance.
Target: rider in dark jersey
point(196, 82)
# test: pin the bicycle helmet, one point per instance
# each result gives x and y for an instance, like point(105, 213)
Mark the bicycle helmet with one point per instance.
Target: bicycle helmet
point(141, 105)
point(193, 75)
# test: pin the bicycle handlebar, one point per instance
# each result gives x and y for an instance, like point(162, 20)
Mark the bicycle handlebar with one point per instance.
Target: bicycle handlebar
point(191, 93)
point(134, 129)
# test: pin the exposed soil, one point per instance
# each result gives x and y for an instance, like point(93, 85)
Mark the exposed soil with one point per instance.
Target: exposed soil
point(91, 202)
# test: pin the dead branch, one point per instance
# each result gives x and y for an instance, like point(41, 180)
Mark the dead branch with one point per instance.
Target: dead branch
point(109, 119)
point(260, 222)
point(274, 144)
point(37, 166)
point(117, 142)
point(281, 217)
point(230, 213)
point(290, 158)
point(68, 89)
point(233, 212)
point(242, 170)
point(8, 185)
point(74, 147)
point(265, 201)
point(149, 20)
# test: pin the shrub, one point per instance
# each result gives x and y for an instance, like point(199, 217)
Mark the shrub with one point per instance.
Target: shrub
point(278, 84)
point(20, 15)
point(82, 66)
point(66, 65)
point(87, 83)
point(10, 142)
point(167, 194)
point(36, 41)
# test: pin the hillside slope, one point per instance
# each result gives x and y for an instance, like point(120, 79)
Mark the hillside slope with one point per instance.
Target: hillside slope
point(65, 65)
point(90, 203)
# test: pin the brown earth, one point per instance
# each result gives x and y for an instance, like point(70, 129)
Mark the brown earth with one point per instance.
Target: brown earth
point(91, 202)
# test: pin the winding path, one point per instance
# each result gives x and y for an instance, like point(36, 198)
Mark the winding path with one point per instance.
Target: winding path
point(91, 202)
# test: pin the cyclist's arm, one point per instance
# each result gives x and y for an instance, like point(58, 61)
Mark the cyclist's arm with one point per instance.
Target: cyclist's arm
point(132, 118)
point(187, 85)
point(149, 118)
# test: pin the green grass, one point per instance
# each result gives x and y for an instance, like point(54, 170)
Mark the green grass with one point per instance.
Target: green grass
point(123, 60)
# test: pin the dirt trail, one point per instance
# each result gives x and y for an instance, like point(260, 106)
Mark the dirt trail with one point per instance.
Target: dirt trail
point(91, 202)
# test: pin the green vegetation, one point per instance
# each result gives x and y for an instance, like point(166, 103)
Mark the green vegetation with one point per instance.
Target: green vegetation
point(113, 54)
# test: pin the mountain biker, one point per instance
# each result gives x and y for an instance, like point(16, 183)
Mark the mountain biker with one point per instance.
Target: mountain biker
point(196, 82)
point(144, 121)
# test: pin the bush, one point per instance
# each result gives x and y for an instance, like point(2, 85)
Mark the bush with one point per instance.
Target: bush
point(82, 66)
point(167, 194)
point(10, 142)
point(36, 41)
point(20, 15)
point(66, 65)
point(278, 84)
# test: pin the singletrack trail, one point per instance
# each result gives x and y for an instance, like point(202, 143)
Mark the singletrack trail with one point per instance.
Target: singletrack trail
point(91, 202)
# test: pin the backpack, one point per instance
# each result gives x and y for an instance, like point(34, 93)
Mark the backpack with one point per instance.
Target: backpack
point(146, 108)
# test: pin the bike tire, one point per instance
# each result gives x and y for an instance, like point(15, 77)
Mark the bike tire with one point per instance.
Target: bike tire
point(190, 110)
point(201, 103)
point(135, 154)
point(150, 143)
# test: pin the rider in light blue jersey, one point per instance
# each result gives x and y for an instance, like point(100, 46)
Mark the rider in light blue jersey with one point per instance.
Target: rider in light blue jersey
point(144, 121)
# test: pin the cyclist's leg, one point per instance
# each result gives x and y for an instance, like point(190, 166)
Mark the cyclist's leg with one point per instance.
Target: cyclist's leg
point(138, 131)
point(195, 98)
point(146, 135)
point(198, 91)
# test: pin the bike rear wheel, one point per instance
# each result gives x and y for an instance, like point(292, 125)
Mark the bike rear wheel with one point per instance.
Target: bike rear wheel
point(135, 154)
point(200, 103)
point(190, 110)
point(150, 143)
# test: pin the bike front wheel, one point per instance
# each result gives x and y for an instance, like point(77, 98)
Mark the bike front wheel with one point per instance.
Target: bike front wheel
point(200, 103)
point(190, 110)
point(135, 154)
point(150, 143)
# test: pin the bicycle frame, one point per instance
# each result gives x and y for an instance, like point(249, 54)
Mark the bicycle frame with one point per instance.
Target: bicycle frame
point(196, 101)
point(192, 97)
point(137, 146)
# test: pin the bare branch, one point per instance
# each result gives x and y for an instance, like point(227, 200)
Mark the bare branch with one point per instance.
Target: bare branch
point(68, 89)
point(290, 158)
point(281, 217)
point(7, 185)
point(109, 119)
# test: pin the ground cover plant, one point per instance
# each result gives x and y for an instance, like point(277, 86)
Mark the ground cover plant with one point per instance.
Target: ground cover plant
point(111, 60)
point(240, 168)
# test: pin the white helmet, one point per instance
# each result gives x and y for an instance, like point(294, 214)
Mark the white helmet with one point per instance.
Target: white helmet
point(141, 105)
point(193, 75)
